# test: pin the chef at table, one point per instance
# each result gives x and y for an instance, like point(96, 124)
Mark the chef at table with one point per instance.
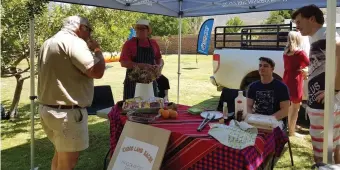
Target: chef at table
point(142, 52)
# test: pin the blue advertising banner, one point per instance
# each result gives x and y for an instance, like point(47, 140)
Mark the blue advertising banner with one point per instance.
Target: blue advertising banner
point(203, 41)
point(132, 33)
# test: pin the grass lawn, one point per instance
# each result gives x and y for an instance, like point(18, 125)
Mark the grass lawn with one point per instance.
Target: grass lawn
point(195, 90)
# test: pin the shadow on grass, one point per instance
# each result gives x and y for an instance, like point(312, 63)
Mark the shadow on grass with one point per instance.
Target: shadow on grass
point(302, 158)
point(108, 66)
point(10, 128)
point(24, 110)
point(190, 68)
point(18, 158)
point(303, 122)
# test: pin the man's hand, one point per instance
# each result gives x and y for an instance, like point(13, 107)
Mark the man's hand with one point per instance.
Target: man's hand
point(92, 44)
point(320, 96)
point(96, 71)
point(157, 69)
point(284, 109)
point(156, 66)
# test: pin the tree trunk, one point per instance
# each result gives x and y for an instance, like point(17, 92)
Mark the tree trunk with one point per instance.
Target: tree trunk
point(13, 111)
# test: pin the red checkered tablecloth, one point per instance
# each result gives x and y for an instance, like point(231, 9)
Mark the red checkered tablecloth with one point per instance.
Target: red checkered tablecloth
point(189, 149)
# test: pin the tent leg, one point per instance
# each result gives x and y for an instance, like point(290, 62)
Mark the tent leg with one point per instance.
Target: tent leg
point(32, 96)
point(179, 54)
point(330, 75)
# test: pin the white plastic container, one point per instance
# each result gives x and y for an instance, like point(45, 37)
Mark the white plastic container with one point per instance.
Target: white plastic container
point(145, 91)
point(241, 104)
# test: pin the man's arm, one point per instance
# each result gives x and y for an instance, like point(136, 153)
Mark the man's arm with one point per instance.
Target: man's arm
point(337, 52)
point(97, 70)
point(91, 65)
point(284, 103)
point(337, 73)
point(250, 98)
point(158, 54)
point(250, 103)
point(284, 109)
point(158, 61)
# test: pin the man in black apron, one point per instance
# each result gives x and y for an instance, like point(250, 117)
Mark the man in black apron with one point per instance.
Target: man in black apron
point(144, 56)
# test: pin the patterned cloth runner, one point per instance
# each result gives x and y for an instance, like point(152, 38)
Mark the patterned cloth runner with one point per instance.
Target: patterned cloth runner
point(189, 149)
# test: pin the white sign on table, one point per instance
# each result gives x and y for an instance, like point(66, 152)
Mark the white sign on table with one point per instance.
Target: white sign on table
point(140, 147)
point(143, 155)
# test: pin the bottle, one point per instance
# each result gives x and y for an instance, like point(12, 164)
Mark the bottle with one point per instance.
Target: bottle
point(240, 106)
point(225, 110)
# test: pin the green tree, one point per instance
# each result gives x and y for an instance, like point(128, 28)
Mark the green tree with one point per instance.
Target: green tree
point(236, 21)
point(15, 42)
point(194, 24)
point(278, 17)
point(165, 25)
point(111, 27)
point(167, 42)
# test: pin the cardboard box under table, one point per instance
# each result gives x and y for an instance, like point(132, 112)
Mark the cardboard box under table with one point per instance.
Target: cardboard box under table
point(189, 149)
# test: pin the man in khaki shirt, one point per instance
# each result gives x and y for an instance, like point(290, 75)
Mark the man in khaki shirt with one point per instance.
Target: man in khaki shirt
point(67, 68)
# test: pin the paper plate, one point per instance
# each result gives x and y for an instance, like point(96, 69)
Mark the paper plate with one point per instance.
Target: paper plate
point(217, 114)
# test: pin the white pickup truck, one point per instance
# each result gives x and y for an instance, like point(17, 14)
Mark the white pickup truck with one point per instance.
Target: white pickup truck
point(236, 55)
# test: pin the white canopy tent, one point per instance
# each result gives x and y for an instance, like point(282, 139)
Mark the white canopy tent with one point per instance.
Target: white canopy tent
point(193, 8)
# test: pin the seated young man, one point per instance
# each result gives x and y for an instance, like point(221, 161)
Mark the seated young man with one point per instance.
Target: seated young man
point(163, 84)
point(268, 96)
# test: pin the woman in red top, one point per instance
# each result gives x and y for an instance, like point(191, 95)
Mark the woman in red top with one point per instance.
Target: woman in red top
point(295, 60)
point(141, 52)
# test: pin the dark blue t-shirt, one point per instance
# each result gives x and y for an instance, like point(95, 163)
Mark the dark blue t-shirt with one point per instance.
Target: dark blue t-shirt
point(163, 85)
point(267, 97)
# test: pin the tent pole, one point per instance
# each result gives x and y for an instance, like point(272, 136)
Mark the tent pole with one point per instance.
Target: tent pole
point(32, 95)
point(179, 49)
point(329, 84)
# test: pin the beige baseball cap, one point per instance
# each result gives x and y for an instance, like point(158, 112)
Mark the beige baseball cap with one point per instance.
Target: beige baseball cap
point(73, 22)
point(143, 22)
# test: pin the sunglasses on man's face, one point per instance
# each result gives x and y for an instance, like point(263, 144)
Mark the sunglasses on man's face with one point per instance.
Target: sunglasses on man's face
point(88, 29)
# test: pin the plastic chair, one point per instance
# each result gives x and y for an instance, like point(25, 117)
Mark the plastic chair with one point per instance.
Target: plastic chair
point(102, 99)
point(228, 95)
point(285, 129)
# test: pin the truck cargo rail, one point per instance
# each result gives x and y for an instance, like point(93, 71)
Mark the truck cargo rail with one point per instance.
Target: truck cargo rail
point(252, 37)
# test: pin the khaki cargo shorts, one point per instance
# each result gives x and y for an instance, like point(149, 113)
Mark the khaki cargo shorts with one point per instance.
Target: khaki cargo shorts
point(66, 128)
